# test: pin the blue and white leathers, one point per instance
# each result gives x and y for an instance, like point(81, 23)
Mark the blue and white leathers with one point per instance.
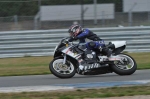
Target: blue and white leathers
point(96, 41)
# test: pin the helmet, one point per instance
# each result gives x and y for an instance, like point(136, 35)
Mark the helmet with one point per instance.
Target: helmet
point(74, 30)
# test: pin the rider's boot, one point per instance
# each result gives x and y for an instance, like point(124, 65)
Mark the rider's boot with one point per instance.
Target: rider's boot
point(106, 50)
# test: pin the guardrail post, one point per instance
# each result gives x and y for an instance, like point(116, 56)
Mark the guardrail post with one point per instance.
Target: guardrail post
point(16, 22)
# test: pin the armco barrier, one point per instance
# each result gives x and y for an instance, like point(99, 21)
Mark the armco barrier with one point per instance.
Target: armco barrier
point(43, 42)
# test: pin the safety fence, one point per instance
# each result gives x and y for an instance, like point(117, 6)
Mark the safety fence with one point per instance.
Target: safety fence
point(60, 14)
point(43, 42)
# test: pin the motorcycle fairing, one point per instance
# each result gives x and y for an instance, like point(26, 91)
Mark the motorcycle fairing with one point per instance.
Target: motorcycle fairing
point(118, 44)
point(69, 52)
point(119, 50)
point(91, 66)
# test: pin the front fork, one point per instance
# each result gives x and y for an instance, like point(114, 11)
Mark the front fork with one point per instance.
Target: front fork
point(64, 61)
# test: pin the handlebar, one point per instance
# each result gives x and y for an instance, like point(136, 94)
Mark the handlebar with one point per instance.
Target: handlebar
point(65, 41)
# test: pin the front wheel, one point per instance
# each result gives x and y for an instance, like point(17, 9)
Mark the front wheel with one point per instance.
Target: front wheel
point(128, 68)
point(61, 70)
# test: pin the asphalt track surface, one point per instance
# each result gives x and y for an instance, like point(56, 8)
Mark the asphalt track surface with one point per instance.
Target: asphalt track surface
point(51, 80)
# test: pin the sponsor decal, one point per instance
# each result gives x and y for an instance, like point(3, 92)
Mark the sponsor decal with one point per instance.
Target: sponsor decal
point(78, 56)
point(92, 66)
point(75, 54)
point(67, 51)
point(114, 58)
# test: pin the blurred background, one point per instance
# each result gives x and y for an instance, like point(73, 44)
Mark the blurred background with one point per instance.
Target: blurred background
point(34, 27)
point(59, 14)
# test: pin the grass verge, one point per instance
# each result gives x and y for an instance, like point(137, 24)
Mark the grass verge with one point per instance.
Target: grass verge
point(81, 94)
point(40, 65)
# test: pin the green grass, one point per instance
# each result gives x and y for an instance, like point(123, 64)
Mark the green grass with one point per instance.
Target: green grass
point(24, 66)
point(40, 65)
point(81, 94)
point(142, 60)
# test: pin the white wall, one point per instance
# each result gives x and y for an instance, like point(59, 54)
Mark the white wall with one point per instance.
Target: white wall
point(137, 5)
point(73, 12)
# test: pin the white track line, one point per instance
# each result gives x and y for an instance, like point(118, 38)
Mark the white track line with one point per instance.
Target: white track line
point(32, 88)
point(64, 87)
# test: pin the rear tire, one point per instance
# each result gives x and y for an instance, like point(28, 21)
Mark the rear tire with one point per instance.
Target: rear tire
point(56, 67)
point(128, 71)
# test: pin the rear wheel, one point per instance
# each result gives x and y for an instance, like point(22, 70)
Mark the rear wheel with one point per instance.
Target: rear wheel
point(128, 66)
point(61, 70)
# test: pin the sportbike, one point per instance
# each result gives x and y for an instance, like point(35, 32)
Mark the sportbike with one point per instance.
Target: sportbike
point(67, 57)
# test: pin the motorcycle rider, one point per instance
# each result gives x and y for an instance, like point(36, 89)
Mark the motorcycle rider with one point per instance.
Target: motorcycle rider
point(78, 33)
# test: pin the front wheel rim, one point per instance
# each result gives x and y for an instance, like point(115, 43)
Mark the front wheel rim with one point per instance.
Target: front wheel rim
point(62, 68)
point(130, 64)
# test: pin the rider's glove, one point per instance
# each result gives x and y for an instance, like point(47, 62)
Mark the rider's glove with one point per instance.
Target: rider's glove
point(72, 39)
point(66, 42)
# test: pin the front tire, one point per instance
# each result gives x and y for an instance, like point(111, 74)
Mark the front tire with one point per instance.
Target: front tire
point(125, 69)
point(61, 70)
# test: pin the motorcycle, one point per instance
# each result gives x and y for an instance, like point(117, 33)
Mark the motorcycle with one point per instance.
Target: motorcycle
point(68, 56)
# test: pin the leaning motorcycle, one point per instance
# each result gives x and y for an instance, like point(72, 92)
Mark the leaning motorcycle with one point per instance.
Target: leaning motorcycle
point(67, 57)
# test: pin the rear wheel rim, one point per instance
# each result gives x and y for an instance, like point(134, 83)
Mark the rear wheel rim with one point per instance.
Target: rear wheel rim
point(128, 66)
point(63, 68)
